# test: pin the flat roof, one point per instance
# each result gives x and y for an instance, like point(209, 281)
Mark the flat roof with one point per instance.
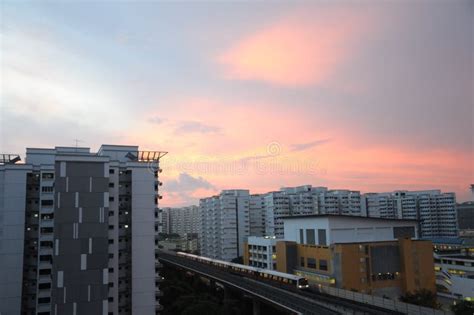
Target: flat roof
point(344, 216)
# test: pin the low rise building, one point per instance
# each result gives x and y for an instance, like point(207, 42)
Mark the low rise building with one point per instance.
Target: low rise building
point(328, 229)
point(368, 255)
point(455, 276)
point(261, 252)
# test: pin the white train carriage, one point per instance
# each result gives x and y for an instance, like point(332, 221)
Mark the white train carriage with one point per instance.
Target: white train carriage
point(264, 274)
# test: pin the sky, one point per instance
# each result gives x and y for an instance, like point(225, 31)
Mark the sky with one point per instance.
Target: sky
point(363, 95)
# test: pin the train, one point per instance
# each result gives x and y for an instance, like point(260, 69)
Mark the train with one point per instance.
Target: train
point(249, 271)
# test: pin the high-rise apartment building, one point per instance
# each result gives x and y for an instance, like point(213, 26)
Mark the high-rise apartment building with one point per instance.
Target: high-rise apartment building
point(305, 200)
point(435, 211)
point(465, 216)
point(224, 224)
point(277, 206)
point(164, 220)
point(78, 231)
point(184, 220)
point(257, 215)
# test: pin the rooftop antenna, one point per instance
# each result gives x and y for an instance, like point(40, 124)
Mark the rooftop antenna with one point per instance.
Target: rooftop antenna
point(77, 142)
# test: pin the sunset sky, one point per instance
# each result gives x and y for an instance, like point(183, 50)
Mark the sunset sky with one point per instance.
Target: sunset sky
point(257, 95)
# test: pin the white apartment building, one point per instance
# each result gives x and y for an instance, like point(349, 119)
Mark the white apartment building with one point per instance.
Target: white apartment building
point(183, 220)
point(78, 231)
point(306, 200)
point(164, 220)
point(277, 206)
point(262, 252)
point(257, 215)
point(225, 224)
point(435, 211)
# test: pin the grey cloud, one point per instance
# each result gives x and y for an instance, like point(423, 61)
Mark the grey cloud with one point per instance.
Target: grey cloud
point(190, 126)
point(156, 120)
point(187, 183)
point(182, 188)
point(308, 145)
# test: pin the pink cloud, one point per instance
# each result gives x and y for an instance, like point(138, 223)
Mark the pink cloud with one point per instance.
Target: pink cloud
point(301, 50)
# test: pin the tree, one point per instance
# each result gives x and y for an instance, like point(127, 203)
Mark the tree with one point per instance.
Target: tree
point(463, 308)
point(422, 297)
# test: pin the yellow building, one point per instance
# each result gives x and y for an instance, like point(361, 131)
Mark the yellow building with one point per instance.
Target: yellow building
point(385, 268)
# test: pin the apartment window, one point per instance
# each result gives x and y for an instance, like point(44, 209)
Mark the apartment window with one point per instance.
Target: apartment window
point(47, 216)
point(111, 198)
point(47, 175)
point(311, 263)
point(46, 258)
point(323, 264)
point(45, 272)
point(111, 241)
point(46, 202)
point(44, 300)
point(46, 230)
point(310, 237)
point(301, 236)
point(111, 227)
point(111, 171)
point(47, 189)
point(302, 261)
point(48, 244)
point(111, 185)
point(43, 286)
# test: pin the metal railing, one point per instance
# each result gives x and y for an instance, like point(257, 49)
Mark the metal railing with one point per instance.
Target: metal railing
point(390, 304)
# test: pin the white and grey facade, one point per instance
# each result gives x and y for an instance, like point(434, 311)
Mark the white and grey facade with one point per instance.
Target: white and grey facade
point(89, 222)
point(257, 215)
point(455, 276)
point(224, 224)
point(435, 211)
point(262, 252)
point(307, 200)
point(182, 221)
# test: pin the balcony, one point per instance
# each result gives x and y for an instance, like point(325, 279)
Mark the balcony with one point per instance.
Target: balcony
point(44, 307)
point(44, 292)
point(159, 279)
point(47, 223)
point(44, 278)
point(45, 265)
